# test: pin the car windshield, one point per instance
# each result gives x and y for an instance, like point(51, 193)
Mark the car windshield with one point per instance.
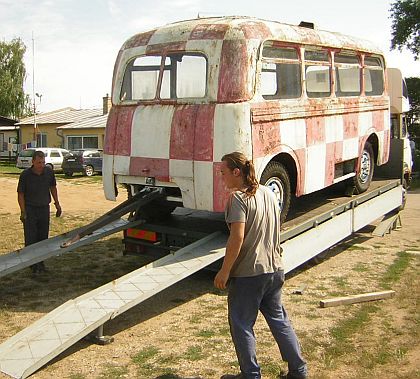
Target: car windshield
point(26, 153)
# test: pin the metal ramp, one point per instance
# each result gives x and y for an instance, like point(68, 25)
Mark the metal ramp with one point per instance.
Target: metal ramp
point(105, 225)
point(33, 347)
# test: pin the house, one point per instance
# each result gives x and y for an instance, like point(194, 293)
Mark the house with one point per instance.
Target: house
point(9, 137)
point(87, 133)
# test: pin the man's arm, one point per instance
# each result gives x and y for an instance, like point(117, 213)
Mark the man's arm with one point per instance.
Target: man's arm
point(21, 202)
point(54, 194)
point(233, 247)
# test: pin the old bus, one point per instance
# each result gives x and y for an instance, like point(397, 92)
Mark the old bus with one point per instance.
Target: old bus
point(310, 107)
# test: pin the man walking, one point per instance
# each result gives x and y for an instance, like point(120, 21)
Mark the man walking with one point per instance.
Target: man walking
point(36, 185)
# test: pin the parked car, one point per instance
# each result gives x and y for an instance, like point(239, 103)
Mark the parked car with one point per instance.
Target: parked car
point(53, 157)
point(85, 161)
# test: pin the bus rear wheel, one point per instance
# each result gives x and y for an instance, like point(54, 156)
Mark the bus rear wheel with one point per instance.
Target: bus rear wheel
point(364, 172)
point(276, 177)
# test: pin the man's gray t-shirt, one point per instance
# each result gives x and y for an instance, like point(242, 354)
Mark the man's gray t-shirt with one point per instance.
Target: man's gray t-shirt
point(260, 252)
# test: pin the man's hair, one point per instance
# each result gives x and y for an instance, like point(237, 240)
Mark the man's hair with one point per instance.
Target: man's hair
point(38, 154)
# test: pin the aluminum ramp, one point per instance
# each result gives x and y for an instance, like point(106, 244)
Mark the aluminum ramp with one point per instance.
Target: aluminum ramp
point(43, 250)
point(33, 347)
point(109, 223)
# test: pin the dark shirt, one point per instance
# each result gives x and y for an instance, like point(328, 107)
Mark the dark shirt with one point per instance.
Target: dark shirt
point(36, 188)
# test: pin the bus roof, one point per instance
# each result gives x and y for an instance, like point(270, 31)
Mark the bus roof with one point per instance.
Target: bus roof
point(246, 28)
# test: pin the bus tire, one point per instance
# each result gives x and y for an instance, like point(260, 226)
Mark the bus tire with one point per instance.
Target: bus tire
point(276, 177)
point(364, 172)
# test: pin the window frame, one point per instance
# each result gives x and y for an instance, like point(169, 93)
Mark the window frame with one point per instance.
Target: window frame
point(324, 63)
point(163, 66)
point(278, 61)
point(338, 65)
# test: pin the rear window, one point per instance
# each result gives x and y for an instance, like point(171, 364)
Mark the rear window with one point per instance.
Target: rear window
point(26, 153)
point(174, 76)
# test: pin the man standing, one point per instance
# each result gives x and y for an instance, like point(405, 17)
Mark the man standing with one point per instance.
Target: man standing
point(36, 185)
point(253, 265)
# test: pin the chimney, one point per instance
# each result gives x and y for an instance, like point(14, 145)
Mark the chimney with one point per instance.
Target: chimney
point(106, 104)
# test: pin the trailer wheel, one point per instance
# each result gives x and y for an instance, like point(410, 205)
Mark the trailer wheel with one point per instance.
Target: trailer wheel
point(364, 172)
point(276, 177)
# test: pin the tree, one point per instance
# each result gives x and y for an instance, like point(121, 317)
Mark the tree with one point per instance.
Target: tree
point(13, 101)
point(405, 28)
point(413, 116)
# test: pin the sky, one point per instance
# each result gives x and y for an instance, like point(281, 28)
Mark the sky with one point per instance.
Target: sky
point(76, 41)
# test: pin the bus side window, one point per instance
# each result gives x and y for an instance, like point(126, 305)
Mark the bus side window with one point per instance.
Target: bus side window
point(373, 76)
point(280, 76)
point(347, 75)
point(317, 73)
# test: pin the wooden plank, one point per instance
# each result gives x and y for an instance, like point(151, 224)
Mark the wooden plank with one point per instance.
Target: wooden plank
point(356, 298)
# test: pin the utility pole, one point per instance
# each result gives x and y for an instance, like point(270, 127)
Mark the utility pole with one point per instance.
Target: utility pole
point(33, 82)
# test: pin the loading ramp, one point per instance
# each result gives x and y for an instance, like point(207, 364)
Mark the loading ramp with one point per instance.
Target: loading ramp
point(302, 239)
point(109, 223)
point(30, 349)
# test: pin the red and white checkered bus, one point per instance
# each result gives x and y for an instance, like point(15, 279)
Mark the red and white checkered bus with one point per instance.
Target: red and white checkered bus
point(310, 107)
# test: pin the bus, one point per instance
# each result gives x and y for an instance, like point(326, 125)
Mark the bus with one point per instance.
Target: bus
point(309, 107)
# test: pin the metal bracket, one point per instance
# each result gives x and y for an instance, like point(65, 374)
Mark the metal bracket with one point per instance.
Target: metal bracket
point(97, 337)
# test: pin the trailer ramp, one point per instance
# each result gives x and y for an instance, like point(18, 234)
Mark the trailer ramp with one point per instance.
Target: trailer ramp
point(109, 223)
point(33, 347)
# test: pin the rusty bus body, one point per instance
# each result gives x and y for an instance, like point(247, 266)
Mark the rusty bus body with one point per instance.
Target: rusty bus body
point(309, 107)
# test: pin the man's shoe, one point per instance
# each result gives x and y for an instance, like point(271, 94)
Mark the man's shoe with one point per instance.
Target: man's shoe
point(230, 376)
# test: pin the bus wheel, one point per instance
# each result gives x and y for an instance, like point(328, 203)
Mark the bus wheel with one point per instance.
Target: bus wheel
point(364, 172)
point(276, 177)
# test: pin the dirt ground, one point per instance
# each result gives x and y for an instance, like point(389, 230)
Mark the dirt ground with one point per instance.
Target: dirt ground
point(183, 333)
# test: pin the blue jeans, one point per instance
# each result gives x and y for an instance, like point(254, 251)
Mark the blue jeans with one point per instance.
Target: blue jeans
point(248, 295)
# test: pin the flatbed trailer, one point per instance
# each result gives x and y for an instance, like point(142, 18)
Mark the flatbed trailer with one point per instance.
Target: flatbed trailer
point(187, 242)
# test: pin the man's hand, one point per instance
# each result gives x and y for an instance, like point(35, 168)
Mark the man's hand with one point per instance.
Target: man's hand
point(22, 216)
point(221, 279)
point(58, 208)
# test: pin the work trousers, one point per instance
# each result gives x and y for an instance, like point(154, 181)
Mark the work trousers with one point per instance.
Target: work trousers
point(248, 295)
point(36, 227)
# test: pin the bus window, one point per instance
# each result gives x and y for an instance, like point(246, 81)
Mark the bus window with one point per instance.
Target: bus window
point(280, 76)
point(347, 75)
point(317, 73)
point(374, 76)
point(184, 76)
point(141, 78)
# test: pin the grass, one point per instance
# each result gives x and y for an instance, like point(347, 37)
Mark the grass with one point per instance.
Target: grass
point(395, 271)
point(145, 355)
point(113, 372)
point(194, 353)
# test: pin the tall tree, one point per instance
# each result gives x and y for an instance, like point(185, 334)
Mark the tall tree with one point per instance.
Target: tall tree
point(413, 116)
point(13, 101)
point(405, 29)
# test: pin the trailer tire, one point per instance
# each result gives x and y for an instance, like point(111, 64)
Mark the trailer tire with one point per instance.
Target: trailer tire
point(276, 177)
point(364, 172)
